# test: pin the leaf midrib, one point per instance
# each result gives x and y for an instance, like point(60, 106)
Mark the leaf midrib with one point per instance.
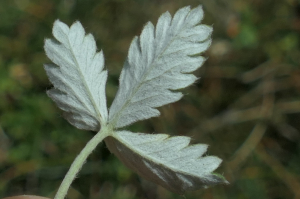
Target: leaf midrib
point(84, 81)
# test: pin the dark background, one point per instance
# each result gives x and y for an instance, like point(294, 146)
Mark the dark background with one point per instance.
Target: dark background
point(245, 106)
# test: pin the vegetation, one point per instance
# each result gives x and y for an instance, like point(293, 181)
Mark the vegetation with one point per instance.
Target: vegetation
point(245, 106)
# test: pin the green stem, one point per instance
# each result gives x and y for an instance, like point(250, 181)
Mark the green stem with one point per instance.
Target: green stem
point(79, 161)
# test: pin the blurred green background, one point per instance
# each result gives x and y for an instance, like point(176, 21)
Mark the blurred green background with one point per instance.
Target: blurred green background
point(246, 104)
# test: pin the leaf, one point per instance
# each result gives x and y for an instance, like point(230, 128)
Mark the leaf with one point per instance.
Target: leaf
point(77, 75)
point(159, 62)
point(167, 161)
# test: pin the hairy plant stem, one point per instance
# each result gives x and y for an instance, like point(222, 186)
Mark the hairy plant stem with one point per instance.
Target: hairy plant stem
point(80, 160)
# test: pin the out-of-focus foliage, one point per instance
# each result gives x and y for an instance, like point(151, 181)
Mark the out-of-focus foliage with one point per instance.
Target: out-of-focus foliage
point(245, 106)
